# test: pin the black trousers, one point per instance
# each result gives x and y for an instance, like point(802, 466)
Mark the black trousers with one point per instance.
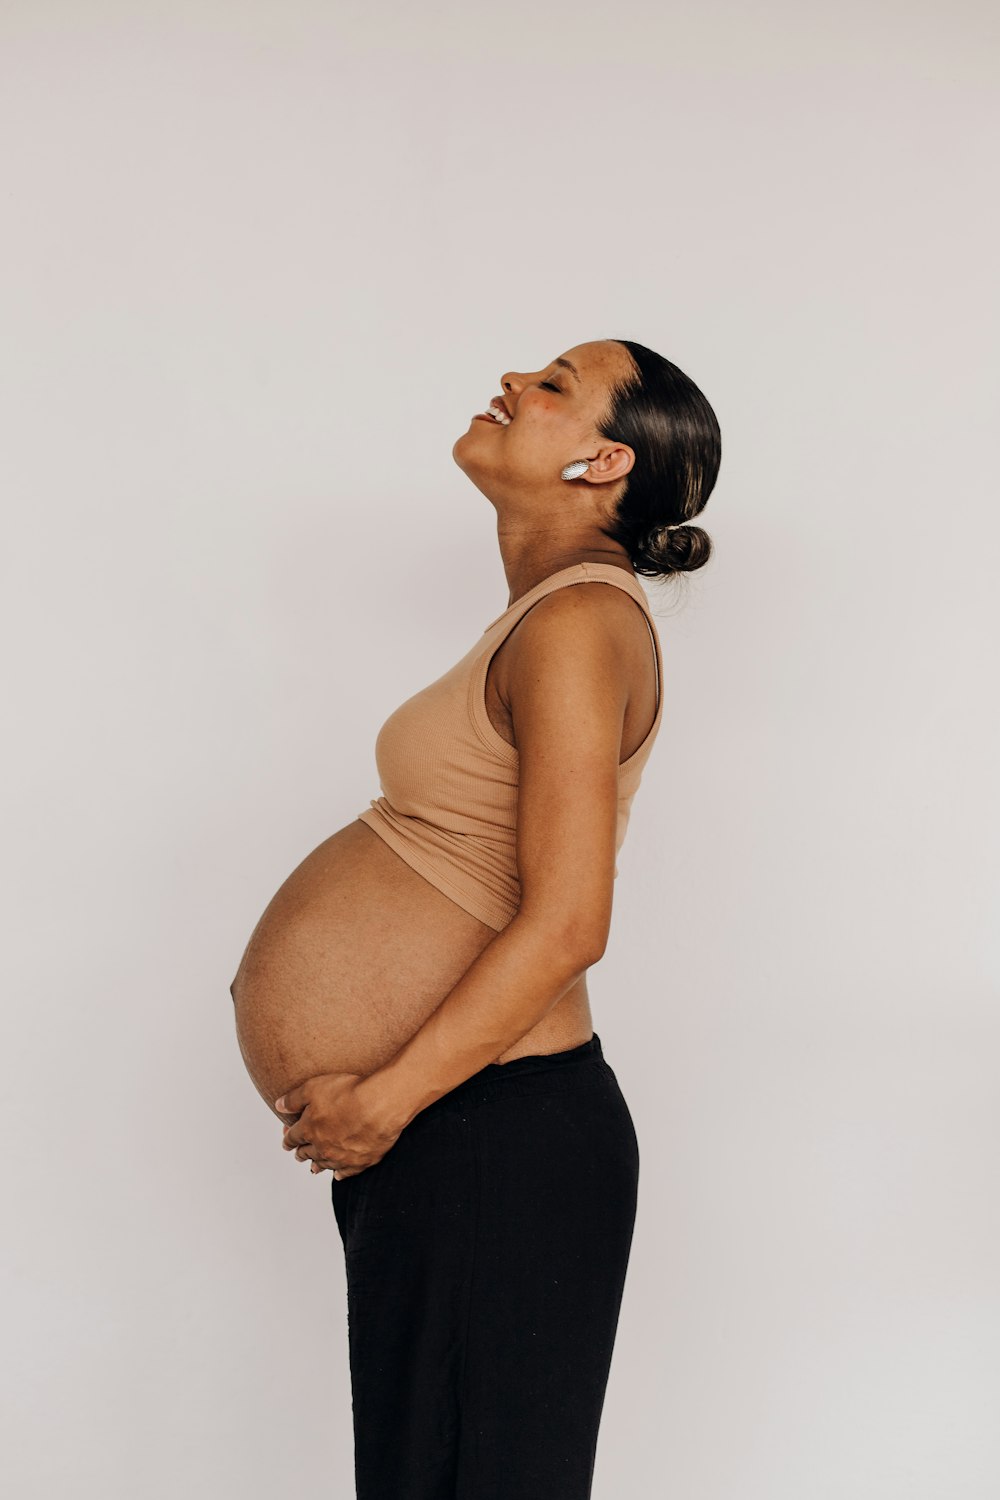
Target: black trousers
point(486, 1257)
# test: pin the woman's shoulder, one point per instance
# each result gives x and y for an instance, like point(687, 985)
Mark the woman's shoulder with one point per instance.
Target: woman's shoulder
point(576, 625)
point(586, 605)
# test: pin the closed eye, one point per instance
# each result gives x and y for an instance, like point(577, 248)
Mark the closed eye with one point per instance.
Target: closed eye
point(549, 386)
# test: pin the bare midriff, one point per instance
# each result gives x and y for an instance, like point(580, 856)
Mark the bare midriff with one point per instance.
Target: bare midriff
point(352, 954)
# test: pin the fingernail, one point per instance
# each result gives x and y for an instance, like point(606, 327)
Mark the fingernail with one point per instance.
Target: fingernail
point(280, 1103)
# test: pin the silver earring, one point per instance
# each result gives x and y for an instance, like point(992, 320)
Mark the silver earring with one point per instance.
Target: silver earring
point(575, 469)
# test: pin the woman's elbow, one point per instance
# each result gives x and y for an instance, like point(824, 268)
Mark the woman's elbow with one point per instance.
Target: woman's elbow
point(578, 937)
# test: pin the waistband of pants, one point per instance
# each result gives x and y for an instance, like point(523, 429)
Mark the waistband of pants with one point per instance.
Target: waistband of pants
point(497, 1079)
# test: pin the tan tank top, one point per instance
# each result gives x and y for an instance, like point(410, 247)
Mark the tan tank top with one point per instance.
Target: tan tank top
point(449, 780)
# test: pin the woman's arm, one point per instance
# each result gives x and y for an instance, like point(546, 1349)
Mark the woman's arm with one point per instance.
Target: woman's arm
point(567, 697)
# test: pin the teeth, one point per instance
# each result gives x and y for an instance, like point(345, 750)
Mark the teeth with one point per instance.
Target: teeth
point(500, 415)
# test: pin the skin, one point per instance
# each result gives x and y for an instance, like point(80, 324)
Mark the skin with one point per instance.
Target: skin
point(518, 468)
point(573, 687)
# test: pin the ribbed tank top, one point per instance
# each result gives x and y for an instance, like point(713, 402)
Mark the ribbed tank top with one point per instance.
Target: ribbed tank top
point(449, 780)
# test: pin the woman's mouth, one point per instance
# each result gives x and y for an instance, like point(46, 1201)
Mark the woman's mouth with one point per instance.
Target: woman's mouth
point(496, 413)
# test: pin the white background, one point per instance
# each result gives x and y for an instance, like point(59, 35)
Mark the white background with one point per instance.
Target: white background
point(261, 263)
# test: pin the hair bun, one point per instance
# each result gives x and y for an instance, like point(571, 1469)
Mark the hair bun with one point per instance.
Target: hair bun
point(677, 549)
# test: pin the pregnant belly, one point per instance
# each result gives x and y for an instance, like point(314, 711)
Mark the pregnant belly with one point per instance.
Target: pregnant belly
point(350, 957)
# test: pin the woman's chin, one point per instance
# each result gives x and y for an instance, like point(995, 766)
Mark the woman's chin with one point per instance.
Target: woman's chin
point(461, 444)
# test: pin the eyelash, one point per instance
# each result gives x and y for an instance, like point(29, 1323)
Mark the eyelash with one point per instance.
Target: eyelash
point(547, 384)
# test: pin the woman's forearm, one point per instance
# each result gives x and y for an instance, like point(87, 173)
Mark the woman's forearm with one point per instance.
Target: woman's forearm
point(512, 984)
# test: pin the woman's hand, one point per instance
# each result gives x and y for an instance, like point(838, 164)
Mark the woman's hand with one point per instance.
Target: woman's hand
point(339, 1127)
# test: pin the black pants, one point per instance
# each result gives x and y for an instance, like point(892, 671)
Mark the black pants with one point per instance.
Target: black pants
point(486, 1257)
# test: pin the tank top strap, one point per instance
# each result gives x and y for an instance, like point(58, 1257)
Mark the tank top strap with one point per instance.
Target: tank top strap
point(582, 572)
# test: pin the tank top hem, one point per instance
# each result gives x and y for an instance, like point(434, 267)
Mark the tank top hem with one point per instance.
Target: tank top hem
point(492, 911)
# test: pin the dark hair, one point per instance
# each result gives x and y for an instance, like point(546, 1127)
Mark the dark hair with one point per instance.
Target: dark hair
point(664, 418)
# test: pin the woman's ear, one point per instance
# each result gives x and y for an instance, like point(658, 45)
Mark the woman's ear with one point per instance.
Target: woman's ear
point(612, 461)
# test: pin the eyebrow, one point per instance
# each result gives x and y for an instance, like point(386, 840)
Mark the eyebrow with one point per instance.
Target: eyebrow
point(560, 361)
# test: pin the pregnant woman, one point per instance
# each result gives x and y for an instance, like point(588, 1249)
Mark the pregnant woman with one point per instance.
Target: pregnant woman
point(413, 1002)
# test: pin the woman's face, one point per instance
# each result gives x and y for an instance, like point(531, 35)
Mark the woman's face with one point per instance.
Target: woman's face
point(553, 414)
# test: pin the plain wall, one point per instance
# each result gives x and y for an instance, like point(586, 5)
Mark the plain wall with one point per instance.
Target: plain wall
point(261, 263)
